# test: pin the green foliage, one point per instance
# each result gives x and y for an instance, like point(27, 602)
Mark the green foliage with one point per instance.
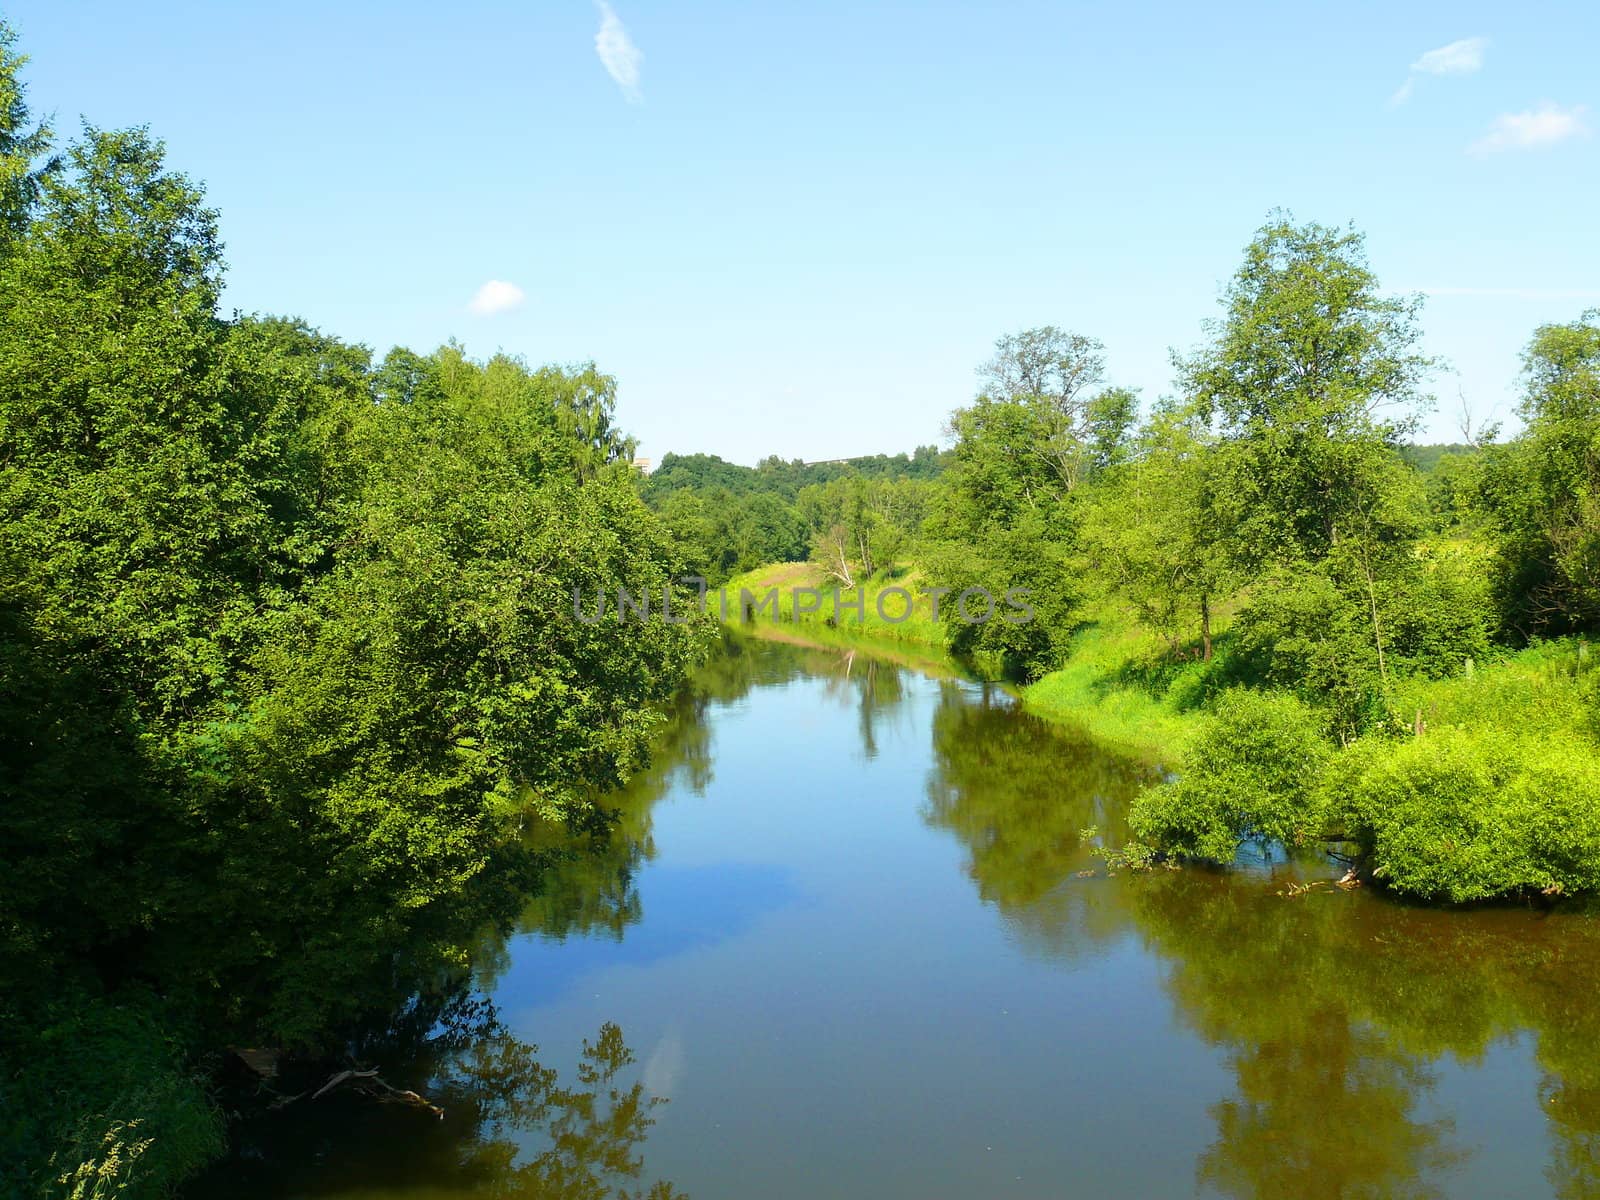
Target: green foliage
point(859, 526)
point(1468, 815)
point(1150, 533)
point(1450, 475)
point(1542, 491)
point(1250, 775)
point(1009, 514)
point(1314, 375)
point(774, 476)
point(21, 149)
point(729, 519)
point(107, 1107)
point(1468, 803)
point(288, 653)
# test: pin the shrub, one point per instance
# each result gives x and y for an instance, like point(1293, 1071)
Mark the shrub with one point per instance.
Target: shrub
point(1468, 815)
point(1252, 775)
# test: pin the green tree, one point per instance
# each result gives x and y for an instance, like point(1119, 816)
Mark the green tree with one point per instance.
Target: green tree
point(1151, 533)
point(1543, 490)
point(288, 652)
point(1052, 375)
point(25, 158)
point(1314, 375)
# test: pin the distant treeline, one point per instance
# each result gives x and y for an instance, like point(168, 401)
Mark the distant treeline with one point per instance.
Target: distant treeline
point(730, 518)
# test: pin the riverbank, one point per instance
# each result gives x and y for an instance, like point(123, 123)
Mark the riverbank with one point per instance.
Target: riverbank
point(1120, 685)
point(892, 608)
point(1480, 784)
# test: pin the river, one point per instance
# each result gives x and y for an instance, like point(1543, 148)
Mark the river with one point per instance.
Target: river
point(847, 939)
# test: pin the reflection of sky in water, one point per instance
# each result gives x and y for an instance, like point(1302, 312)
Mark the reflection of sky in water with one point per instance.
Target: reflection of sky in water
point(874, 958)
point(687, 908)
point(849, 1010)
point(869, 965)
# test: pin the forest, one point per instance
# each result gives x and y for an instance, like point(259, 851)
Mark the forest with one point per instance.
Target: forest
point(288, 670)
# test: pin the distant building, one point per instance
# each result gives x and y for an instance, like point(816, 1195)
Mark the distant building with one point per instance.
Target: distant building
point(643, 465)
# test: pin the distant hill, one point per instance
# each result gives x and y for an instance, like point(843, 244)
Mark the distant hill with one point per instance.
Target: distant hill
point(707, 472)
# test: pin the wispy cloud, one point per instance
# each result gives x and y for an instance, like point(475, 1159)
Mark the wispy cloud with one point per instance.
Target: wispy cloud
point(1458, 58)
point(1547, 125)
point(618, 55)
point(496, 296)
point(1515, 293)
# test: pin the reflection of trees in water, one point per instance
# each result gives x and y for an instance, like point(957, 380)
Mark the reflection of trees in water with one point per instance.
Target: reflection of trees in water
point(589, 887)
point(1326, 1098)
point(1018, 793)
point(511, 1127)
point(875, 688)
point(1331, 1008)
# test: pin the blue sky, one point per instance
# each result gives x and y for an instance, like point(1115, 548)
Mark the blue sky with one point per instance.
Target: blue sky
point(797, 229)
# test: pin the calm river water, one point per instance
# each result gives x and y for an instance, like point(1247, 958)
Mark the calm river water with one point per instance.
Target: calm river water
point(847, 940)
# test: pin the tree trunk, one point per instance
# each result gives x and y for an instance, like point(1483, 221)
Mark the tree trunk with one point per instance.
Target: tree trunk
point(1205, 625)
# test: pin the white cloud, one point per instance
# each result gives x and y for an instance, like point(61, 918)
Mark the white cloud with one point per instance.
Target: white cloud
point(496, 296)
point(1458, 58)
point(618, 54)
point(1543, 126)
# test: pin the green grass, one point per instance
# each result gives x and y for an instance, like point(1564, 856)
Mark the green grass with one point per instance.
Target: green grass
point(918, 628)
point(1548, 690)
point(1123, 686)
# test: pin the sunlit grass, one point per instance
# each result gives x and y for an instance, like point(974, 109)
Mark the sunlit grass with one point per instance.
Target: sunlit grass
point(1123, 686)
point(879, 620)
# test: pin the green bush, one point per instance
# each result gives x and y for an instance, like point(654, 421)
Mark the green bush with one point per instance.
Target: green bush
point(1303, 633)
point(1468, 815)
point(1252, 775)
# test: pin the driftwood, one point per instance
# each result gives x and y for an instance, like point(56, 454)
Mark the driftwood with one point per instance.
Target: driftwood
point(367, 1082)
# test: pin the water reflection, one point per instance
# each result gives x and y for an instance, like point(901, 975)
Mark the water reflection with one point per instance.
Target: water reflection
point(1333, 1009)
point(1346, 1029)
point(1019, 793)
point(512, 1129)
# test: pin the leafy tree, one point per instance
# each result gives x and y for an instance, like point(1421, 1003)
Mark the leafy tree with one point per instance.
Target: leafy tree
point(1008, 516)
point(1313, 376)
point(769, 531)
point(288, 652)
point(1543, 490)
point(25, 159)
point(1050, 376)
point(1150, 530)
point(860, 525)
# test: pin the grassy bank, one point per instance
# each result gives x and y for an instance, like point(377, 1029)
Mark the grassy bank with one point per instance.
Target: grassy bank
point(894, 607)
point(1124, 687)
point(1481, 784)
point(1120, 685)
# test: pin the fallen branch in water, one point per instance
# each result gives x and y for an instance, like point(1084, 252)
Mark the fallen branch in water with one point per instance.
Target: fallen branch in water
point(1300, 889)
point(369, 1083)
